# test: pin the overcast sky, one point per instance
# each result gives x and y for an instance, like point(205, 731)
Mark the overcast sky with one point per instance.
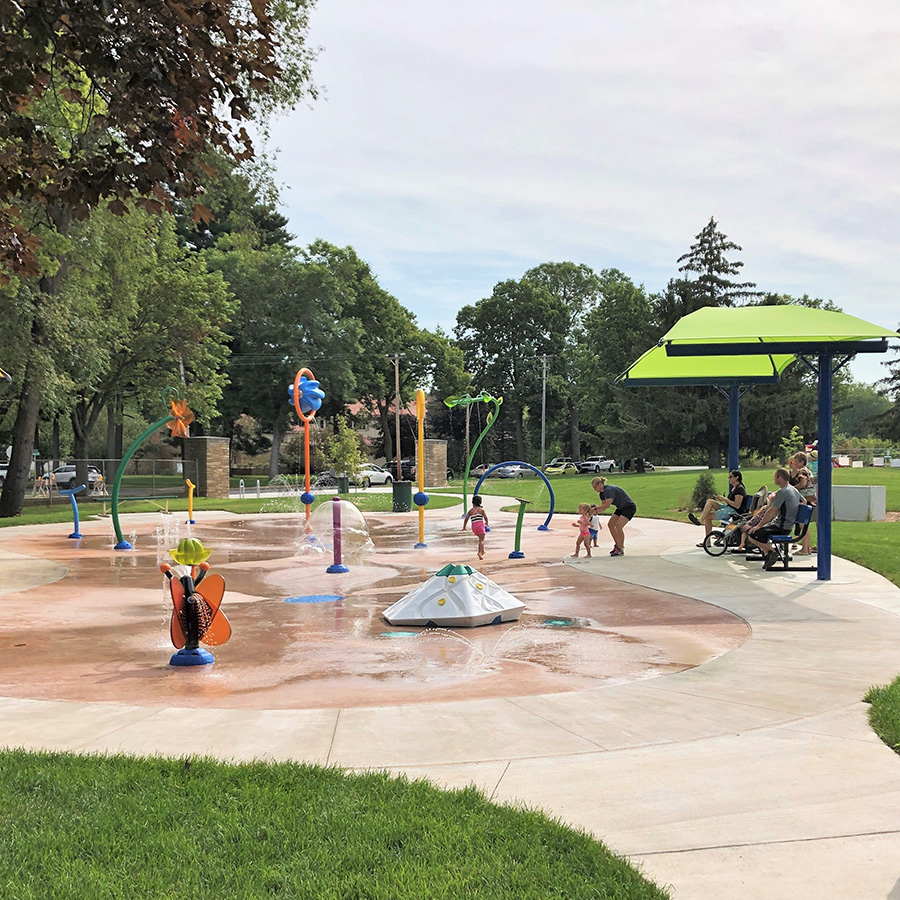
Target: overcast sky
point(462, 143)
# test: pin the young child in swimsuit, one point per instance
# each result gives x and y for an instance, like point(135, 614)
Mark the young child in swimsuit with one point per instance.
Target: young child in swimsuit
point(583, 524)
point(479, 520)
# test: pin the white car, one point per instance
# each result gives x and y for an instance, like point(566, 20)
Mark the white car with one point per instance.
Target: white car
point(369, 473)
point(597, 464)
point(63, 477)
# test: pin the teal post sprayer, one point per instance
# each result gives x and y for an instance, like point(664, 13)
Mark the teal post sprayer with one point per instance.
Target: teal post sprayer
point(517, 552)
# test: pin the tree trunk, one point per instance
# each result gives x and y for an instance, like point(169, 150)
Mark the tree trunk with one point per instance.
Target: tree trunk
point(389, 453)
point(714, 457)
point(54, 443)
point(113, 438)
point(277, 437)
point(575, 432)
point(520, 433)
point(80, 441)
point(12, 497)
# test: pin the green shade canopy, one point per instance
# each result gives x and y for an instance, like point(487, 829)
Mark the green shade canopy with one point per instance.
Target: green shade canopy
point(656, 367)
point(764, 330)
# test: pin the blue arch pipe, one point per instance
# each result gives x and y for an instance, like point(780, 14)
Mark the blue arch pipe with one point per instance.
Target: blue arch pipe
point(537, 471)
point(70, 493)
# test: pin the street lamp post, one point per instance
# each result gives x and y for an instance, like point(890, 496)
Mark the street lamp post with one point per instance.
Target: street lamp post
point(544, 412)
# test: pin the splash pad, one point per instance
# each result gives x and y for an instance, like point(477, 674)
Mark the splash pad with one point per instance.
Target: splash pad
point(106, 633)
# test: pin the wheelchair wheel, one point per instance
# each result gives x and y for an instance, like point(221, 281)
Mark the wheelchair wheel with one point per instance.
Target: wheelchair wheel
point(715, 543)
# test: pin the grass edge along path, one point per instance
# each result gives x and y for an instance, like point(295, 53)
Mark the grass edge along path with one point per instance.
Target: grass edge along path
point(884, 712)
point(114, 826)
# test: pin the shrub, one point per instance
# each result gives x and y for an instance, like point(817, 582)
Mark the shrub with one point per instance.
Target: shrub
point(704, 489)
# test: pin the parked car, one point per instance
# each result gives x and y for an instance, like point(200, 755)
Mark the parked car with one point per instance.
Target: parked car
point(566, 468)
point(64, 477)
point(478, 471)
point(409, 472)
point(597, 464)
point(632, 465)
point(558, 461)
point(369, 473)
point(513, 472)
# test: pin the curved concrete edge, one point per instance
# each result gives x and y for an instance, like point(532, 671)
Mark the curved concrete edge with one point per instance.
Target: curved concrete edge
point(754, 775)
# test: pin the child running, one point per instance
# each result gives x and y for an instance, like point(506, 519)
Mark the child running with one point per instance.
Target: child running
point(596, 526)
point(479, 520)
point(583, 524)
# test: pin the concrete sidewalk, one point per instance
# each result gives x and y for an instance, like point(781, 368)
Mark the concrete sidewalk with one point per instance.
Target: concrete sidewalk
point(753, 776)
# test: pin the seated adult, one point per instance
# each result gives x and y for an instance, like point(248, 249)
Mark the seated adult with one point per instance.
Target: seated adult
point(721, 508)
point(778, 518)
point(802, 478)
point(758, 504)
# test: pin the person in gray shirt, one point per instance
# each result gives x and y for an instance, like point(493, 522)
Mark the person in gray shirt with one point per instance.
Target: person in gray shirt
point(779, 518)
point(625, 510)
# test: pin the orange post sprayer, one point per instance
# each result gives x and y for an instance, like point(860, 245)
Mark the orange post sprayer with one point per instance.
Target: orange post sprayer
point(307, 397)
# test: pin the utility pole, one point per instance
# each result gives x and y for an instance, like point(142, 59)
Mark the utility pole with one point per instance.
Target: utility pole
point(397, 357)
point(544, 412)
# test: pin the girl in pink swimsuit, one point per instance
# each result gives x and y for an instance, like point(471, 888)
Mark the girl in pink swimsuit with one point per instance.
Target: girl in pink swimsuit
point(583, 524)
point(479, 520)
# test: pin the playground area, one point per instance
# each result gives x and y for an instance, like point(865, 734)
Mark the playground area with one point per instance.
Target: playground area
point(720, 741)
point(94, 623)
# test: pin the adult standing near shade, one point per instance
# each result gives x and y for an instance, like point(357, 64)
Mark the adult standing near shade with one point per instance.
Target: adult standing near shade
point(624, 512)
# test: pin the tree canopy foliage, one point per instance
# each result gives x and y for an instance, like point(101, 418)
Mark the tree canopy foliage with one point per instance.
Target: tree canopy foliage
point(150, 88)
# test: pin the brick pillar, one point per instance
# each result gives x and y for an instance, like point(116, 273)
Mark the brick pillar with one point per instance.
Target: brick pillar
point(435, 463)
point(211, 456)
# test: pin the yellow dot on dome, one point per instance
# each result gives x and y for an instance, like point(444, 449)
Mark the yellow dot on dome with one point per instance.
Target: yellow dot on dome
point(442, 601)
point(479, 585)
point(452, 579)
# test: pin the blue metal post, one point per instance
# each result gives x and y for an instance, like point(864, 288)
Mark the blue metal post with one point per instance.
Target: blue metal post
point(734, 427)
point(823, 525)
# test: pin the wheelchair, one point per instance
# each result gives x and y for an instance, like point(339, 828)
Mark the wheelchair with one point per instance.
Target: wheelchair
point(729, 537)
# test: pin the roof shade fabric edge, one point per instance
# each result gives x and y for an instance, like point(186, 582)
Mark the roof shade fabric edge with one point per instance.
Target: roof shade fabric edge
point(760, 325)
point(656, 368)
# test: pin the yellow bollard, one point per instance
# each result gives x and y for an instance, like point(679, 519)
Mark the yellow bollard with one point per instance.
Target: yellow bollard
point(191, 488)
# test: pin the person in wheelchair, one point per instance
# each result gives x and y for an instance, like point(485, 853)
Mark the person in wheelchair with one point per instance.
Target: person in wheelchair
point(721, 509)
point(779, 517)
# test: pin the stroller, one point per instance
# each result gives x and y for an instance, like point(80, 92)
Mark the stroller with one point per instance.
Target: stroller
point(728, 537)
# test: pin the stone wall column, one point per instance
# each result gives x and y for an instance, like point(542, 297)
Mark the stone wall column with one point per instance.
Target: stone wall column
point(211, 454)
point(435, 463)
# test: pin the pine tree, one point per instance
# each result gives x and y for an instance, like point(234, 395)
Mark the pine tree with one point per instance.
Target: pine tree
point(707, 260)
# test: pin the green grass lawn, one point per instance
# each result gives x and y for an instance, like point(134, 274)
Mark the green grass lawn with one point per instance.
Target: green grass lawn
point(884, 714)
point(115, 827)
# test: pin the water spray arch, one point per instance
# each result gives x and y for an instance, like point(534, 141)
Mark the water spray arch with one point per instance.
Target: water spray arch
point(537, 471)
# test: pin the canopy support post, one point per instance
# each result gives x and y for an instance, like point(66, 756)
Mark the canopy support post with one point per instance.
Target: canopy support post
point(734, 427)
point(823, 520)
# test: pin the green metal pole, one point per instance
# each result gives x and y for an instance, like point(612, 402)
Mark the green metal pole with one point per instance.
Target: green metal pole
point(517, 553)
point(492, 417)
point(122, 543)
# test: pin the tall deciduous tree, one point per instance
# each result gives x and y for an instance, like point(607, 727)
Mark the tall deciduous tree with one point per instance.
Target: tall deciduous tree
point(503, 338)
point(578, 288)
point(152, 88)
point(290, 316)
point(113, 101)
